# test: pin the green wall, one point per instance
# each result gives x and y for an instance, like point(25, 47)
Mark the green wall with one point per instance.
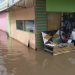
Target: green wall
point(41, 21)
point(60, 5)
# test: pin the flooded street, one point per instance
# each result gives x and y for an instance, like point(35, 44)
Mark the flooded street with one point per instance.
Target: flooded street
point(17, 59)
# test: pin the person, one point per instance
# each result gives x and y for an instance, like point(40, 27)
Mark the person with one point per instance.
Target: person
point(73, 36)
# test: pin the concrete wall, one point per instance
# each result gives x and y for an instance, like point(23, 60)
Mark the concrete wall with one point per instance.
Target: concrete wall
point(4, 27)
point(41, 21)
point(3, 21)
point(22, 36)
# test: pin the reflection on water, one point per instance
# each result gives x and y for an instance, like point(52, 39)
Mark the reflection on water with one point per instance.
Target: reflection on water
point(3, 69)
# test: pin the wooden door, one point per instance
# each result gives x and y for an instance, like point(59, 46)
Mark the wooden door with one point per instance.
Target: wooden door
point(53, 21)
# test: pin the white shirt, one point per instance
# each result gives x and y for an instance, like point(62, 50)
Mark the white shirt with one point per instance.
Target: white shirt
point(73, 35)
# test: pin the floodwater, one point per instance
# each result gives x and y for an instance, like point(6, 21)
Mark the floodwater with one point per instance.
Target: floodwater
point(17, 59)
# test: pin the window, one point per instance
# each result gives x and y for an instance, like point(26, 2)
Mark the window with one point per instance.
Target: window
point(20, 24)
point(29, 25)
point(25, 25)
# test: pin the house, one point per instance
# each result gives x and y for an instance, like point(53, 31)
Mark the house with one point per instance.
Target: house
point(24, 20)
point(15, 19)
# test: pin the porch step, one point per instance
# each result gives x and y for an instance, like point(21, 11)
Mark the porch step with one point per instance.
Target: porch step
point(64, 50)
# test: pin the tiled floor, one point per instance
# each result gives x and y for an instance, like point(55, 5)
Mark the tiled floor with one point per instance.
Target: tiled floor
point(17, 59)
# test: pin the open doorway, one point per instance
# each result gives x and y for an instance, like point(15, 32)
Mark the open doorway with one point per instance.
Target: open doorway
point(64, 22)
point(60, 36)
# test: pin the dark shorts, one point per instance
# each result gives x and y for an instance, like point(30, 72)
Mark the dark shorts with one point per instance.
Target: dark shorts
point(73, 41)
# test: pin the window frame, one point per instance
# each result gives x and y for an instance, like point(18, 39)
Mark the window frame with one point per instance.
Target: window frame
point(24, 25)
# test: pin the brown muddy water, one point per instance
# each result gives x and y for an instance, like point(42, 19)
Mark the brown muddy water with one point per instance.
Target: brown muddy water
point(17, 59)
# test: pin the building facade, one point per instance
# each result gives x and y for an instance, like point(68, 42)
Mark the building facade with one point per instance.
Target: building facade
point(24, 20)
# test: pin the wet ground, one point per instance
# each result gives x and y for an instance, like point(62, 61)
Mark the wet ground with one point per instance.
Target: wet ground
point(17, 59)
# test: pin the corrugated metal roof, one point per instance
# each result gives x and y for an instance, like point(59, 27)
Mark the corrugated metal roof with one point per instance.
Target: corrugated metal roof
point(25, 3)
point(5, 4)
